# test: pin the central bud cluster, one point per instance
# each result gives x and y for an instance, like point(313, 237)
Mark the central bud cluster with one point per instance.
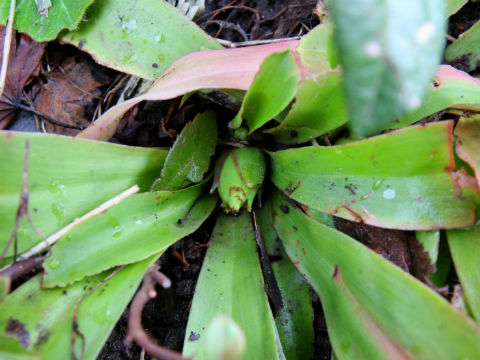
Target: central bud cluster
point(240, 173)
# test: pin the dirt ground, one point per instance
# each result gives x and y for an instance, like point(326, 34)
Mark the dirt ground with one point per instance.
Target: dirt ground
point(156, 124)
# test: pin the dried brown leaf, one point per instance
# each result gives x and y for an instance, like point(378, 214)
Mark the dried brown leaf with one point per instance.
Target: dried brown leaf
point(23, 66)
point(69, 95)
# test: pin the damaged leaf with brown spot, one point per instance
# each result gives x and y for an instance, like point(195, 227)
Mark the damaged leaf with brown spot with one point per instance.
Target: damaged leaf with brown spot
point(401, 180)
point(370, 304)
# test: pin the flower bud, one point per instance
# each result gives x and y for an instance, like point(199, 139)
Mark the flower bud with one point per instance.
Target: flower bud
point(241, 174)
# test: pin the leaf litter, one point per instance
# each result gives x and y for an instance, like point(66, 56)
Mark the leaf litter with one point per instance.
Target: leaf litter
point(24, 66)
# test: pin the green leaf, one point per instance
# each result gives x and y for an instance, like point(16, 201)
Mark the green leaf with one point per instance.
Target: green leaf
point(466, 48)
point(468, 145)
point(11, 349)
point(273, 88)
point(388, 50)
point(465, 249)
point(241, 174)
point(453, 89)
point(370, 304)
point(5, 283)
point(454, 5)
point(399, 180)
point(47, 314)
point(63, 14)
point(67, 177)
point(138, 227)
point(295, 319)
point(141, 38)
point(315, 49)
point(231, 283)
point(318, 108)
point(430, 241)
point(189, 158)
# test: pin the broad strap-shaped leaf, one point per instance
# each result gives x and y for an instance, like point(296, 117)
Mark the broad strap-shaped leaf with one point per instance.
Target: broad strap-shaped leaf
point(141, 38)
point(452, 89)
point(468, 145)
point(318, 108)
point(206, 69)
point(63, 14)
point(67, 177)
point(466, 48)
point(374, 310)
point(47, 314)
point(231, 283)
point(271, 91)
point(189, 158)
point(138, 227)
point(465, 249)
point(295, 319)
point(402, 180)
point(388, 50)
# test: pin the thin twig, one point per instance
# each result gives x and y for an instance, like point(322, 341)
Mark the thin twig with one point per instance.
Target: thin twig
point(135, 329)
point(97, 211)
point(7, 45)
point(22, 267)
point(253, 42)
point(22, 209)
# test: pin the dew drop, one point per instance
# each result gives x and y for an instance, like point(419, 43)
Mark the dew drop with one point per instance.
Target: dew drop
point(55, 187)
point(115, 225)
point(53, 263)
point(128, 25)
point(389, 194)
point(58, 209)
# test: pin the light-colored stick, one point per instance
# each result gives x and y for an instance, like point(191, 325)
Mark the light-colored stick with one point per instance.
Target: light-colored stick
point(231, 44)
point(7, 42)
point(97, 211)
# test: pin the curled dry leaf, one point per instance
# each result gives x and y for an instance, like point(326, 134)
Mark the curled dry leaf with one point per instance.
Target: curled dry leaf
point(23, 65)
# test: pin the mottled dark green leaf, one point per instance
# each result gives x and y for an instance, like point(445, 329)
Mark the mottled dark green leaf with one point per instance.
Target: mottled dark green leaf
point(388, 50)
point(63, 14)
point(189, 158)
point(140, 37)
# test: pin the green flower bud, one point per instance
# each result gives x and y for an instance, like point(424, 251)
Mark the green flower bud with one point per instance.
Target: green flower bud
point(241, 174)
